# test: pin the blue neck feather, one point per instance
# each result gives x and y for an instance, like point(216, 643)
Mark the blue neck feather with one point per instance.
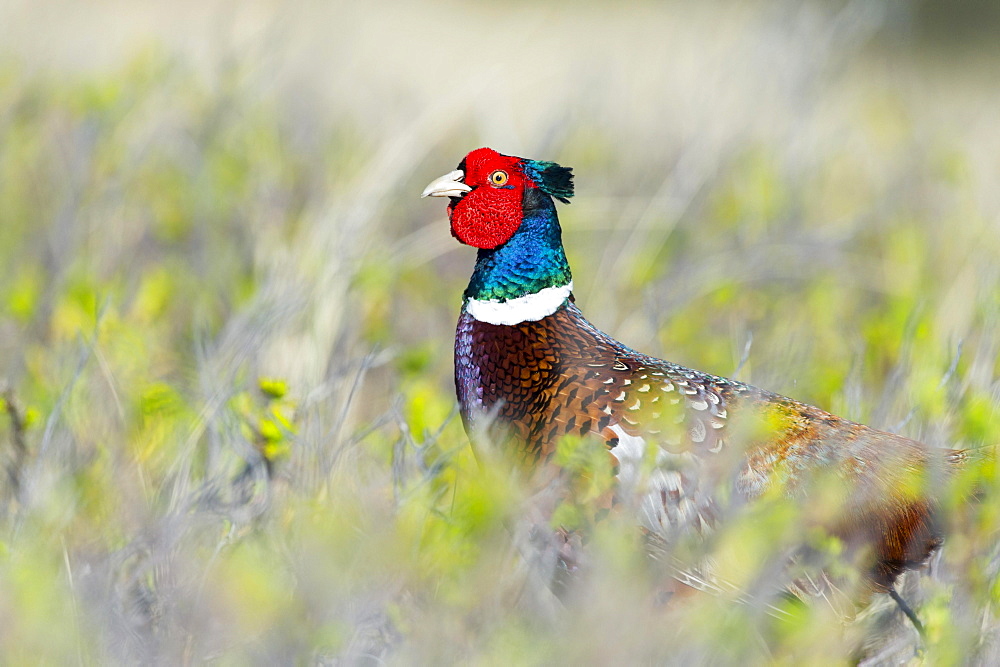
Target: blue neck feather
point(530, 261)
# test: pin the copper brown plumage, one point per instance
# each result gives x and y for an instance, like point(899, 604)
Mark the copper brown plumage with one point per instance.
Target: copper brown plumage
point(559, 376)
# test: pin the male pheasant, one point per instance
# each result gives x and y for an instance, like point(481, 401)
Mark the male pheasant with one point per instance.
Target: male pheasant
point(531, 370)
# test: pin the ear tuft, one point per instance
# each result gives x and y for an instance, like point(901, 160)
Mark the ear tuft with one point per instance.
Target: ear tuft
point(551, 178)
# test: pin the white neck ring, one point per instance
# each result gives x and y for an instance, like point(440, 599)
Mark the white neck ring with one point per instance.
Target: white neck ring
point(527, 308)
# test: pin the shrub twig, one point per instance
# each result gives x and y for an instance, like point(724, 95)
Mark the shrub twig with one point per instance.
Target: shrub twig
point(15, 462)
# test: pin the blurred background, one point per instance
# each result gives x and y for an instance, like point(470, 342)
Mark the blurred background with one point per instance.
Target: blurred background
point(226, 316)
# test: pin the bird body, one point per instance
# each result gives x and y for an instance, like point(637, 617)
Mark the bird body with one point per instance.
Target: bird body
point(530, 370)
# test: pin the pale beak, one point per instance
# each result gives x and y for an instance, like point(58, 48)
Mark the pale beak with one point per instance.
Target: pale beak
point(449, 185)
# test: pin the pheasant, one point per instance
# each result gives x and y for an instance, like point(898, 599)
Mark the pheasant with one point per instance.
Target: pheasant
point(531, 370)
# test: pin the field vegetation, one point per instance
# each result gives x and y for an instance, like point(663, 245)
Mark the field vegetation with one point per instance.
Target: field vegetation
point(228, 430)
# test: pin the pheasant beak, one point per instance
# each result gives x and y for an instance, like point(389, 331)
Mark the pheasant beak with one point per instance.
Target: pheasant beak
point(449, 185)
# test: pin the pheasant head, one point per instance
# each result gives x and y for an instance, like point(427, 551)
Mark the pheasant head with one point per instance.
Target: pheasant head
point(504, 206)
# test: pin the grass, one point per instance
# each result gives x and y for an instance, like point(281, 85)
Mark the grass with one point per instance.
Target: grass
point(228, 424)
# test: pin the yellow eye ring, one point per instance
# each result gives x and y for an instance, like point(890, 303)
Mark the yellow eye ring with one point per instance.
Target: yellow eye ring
point(498, 177)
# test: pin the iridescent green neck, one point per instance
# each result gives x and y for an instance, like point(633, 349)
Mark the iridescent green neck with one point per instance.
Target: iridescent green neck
point(532, 260)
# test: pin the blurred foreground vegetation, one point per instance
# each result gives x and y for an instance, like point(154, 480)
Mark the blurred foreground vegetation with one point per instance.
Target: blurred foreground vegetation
point(228, 429)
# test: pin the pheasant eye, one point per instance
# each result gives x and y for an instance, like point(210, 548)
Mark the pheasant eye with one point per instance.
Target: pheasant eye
point(498, 177)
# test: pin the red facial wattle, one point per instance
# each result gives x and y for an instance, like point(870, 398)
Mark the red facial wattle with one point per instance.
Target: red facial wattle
point(486, 219)
point(489, 215)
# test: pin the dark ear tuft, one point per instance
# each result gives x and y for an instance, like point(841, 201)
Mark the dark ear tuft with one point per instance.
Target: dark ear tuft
point(551, 178)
